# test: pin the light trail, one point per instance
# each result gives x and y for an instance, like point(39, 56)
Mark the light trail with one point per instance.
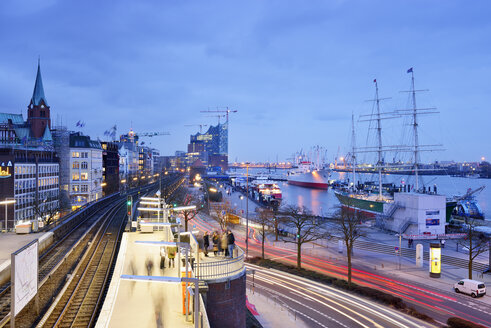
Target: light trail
point(428, 299)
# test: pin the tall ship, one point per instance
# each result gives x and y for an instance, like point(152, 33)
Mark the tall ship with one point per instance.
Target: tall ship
point(379, 201)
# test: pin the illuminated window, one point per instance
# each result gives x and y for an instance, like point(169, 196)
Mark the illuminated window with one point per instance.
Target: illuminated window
point(85, 176)
point(75, 188)
point(75, 177)
point(76, 165)
point(75, 154)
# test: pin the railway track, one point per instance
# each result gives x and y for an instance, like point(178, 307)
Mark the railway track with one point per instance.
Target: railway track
point(80, 301)
point(58, 262)
point(52, 258)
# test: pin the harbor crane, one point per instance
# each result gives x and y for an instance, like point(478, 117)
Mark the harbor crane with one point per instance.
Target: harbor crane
point(226, 111)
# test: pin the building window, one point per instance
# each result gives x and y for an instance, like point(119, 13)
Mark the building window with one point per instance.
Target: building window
point(85, 165)
point(85, 176)
point(85, 155)
point(75, 154)
point(75, 188)
point(84, 188)
point(76, 165)
point(75, 177)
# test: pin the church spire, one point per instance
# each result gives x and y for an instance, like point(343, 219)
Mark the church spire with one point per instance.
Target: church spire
point(38, 93)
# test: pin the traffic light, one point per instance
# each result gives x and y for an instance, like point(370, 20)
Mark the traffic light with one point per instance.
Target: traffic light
point(129, 205)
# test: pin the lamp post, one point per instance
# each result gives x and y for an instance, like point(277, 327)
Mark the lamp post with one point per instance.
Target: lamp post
point(247, 210)
point(6, 202)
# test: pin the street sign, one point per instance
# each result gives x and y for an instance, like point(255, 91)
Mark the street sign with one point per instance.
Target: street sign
point(396, 248)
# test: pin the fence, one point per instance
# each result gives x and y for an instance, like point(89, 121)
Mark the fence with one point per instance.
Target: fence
point(223, 268)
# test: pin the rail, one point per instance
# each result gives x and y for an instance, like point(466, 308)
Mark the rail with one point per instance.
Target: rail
point(221, 269)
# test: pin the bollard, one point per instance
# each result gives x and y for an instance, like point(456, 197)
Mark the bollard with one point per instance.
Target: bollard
point(419, 255)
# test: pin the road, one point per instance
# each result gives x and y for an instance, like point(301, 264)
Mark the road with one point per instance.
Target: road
point(438, 304)
point(319, 305)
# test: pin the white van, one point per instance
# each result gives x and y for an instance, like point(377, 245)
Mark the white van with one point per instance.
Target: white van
point(472, 287)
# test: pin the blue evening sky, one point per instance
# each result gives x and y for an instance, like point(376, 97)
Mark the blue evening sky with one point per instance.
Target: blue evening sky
point(294, 70)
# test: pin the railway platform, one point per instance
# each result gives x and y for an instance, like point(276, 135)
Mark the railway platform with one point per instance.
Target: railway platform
point(142, 304)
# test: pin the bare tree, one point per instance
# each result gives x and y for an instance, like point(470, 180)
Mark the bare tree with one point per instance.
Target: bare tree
point(474, 241)
point(46, 211)
point(223, 213)
point(348, 224)
point(265, 219)
point(182, 197)
point(306, 226)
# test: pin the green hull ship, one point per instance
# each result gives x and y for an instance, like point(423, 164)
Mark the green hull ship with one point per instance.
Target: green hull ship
point(372, 207)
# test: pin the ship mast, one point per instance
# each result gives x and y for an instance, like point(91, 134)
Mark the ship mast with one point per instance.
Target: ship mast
point(353, 156)
point(413, 113)
point(415, 129)
point(379, 136)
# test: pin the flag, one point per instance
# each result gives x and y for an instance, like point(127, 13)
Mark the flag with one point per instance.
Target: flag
point(410, 70)
point(374, 80)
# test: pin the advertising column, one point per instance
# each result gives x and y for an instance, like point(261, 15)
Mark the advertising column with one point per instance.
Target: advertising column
point(435, 260)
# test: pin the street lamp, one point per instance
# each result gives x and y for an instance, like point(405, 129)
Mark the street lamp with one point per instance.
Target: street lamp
point(241, 197)
point(6, 202)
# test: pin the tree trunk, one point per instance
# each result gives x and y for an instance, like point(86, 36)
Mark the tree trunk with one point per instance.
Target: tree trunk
point(470, 256)
point(299, 254)
point(263, 243)
point(349, 263)
point(185, 223)
point(276, 230)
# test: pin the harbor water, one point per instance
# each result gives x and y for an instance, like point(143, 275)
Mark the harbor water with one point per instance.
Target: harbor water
point(324, 202)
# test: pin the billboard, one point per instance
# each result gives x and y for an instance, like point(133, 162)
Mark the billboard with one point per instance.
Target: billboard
point(23, 276)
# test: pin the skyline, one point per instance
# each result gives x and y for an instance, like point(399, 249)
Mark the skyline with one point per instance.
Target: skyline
point(294, 73)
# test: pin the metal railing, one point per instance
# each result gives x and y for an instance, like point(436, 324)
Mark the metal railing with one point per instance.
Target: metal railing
point(224, 268)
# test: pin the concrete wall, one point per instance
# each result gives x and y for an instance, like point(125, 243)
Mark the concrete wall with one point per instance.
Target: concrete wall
point(225, 303)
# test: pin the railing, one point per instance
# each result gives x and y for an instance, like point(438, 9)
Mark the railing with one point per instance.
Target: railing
point(227, 267)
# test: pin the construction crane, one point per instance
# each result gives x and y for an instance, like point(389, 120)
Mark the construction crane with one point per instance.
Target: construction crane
point(146, 134)
point(200, 126)
point(226, 111)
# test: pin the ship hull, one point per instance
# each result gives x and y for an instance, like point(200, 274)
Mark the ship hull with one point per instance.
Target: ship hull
point(368, 207)
point(372, 208)
point(307, 184)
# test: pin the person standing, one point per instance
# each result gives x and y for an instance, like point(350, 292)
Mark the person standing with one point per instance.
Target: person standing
point(206, 243)
point(149, 265)
point(171, 254)
point(162, 257)
point(224, 243)
point(230, 243)
point(214, 239)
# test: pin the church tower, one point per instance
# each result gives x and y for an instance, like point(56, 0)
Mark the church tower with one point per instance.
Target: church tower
point(38, 115)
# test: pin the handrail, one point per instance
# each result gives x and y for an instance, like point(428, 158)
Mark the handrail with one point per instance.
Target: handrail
point(224, 268)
